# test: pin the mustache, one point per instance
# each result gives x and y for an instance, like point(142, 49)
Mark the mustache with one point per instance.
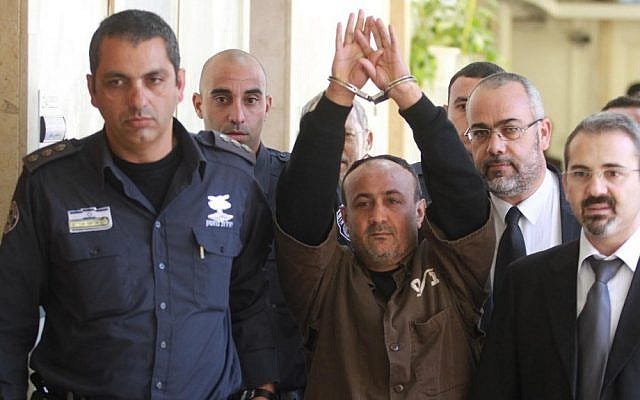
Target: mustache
point(141, 113)
point(496, 160)
point(598, 200)
point(378, 228)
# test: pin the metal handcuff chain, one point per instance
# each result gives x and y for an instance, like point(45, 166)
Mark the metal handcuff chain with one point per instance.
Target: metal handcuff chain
point(378, 97)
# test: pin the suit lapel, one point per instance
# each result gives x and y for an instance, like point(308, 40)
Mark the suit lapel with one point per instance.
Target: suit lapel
point(560, 300)
point(627, 336)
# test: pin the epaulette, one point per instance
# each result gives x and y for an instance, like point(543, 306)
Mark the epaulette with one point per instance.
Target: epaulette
point(283, 156)
point(224, 142)
point(49, 153)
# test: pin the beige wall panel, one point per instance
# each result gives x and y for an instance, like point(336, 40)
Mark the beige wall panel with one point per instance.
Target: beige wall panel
point(564, 71)
point(622, 54)
point(12, 107)
point(270, 42)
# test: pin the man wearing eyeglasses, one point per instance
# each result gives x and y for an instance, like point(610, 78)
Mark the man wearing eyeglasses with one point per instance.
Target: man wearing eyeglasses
point(509, 133)
point(566, 324)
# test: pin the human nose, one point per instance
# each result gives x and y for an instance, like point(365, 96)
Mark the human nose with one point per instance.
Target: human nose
point(495, 142)
point(138, 96)
point(597, 183)
point(378, 213)
point(237, 113)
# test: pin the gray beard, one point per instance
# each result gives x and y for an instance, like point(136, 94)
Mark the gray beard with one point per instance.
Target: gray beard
point(521, 182)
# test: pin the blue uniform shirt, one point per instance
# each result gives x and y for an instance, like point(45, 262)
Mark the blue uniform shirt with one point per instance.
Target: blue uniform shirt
point(140, 303)
point(290, 352)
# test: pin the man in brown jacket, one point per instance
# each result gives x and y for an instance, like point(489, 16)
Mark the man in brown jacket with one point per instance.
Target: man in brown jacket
point(387, 317)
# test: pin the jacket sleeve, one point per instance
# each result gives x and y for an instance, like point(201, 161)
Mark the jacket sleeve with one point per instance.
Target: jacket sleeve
point(22, 277)
point(460, 203)
point(307, 187)
point(252, 319)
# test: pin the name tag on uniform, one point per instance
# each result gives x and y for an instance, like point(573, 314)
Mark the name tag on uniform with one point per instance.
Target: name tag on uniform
point(90, 219)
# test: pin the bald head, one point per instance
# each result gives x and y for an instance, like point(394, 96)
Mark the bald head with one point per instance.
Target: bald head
point(233, 96)
point(233, 57)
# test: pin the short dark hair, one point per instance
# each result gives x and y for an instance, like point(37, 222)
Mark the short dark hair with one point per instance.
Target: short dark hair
point(603, 122)
point(623, 102)
point(134, 26)
point(400, 161)
point(478, 69)
point(634, 89)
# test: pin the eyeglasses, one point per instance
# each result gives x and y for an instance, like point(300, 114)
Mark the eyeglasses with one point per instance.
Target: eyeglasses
point(613, 175)
point(504, 132)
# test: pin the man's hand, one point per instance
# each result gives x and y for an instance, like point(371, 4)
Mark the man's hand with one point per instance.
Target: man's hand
point(386, 64)
point(347, 60)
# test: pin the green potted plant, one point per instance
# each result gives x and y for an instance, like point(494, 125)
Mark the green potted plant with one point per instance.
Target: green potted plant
point(463, 24)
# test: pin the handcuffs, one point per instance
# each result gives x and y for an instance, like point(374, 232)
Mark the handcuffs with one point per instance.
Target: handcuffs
point(378, 97)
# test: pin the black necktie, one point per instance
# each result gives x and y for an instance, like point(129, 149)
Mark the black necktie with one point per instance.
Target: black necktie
point(510, 248)
point(593, 330)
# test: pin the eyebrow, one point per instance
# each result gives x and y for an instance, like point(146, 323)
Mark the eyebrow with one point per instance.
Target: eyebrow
point(500, 123)
point(119, 74)
point(228, 91)
point(460, 99)
point(606, 165)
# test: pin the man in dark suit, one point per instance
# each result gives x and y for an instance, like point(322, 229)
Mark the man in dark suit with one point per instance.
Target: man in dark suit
point(509, 133)
point(562, 329)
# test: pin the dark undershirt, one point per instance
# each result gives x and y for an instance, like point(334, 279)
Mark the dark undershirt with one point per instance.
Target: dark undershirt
point(153, 179)
point(384, 282)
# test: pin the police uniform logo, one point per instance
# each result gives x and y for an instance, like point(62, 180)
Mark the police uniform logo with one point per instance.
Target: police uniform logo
point(342, 227)
point(12, 219)
point(219, 218)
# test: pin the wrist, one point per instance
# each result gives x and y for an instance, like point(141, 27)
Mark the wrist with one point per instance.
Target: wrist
point(340, 94)
point(404, 91)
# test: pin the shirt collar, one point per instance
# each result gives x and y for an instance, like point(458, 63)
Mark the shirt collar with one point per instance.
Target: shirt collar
point(533, 207)
point(629, 252)
point(104, 157)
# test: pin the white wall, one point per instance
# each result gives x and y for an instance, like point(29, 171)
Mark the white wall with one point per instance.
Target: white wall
point(58, 62)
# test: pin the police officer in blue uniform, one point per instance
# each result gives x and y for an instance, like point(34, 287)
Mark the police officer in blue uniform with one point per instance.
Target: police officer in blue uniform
point(233, 100)
point(143, 243)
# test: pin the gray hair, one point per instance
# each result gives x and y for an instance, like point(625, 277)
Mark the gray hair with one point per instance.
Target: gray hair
point(605, 122)
point(358, 110)
point(500, 79)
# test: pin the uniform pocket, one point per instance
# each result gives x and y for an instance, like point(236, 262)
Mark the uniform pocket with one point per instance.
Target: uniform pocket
point(92, 271)
point(213, 258)
point(441, 354)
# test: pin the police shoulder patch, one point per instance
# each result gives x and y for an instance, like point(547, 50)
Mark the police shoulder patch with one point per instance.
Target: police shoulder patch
point(282, 156)
point(49, 153)
point(13, 218)
point(224, 142)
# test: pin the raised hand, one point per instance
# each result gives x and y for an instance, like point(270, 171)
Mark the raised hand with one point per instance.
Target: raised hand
point(347, 60)
point(385, 64)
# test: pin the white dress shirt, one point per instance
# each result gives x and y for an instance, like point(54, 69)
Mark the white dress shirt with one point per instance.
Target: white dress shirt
point(540, 222)
point(618, 286)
